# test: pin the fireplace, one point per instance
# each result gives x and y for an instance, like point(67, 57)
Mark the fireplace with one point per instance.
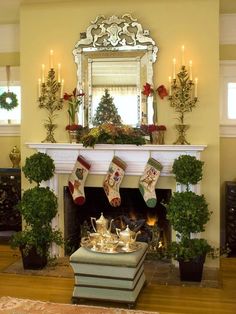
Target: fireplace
point(133, 211)
point(65, 155)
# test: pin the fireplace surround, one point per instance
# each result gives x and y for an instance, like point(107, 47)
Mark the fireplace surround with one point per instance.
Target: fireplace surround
point(136, 157)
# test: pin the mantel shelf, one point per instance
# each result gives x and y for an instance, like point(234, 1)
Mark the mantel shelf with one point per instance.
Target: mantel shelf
point(65, 154)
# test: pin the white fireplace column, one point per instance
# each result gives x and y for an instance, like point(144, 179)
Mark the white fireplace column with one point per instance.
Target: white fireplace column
point(136, 157)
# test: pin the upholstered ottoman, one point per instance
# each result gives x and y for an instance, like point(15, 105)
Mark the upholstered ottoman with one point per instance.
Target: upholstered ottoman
point(112, 277)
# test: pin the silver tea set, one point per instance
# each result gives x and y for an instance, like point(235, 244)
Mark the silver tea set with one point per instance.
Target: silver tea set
point(102, 240)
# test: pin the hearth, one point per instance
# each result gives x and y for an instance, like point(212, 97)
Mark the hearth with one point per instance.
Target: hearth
point(151, 222)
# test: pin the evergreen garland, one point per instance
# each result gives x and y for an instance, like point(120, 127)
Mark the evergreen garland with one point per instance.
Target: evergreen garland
point(8, 100)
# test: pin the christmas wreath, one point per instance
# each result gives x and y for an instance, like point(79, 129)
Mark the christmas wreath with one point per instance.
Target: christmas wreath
point(8, 100)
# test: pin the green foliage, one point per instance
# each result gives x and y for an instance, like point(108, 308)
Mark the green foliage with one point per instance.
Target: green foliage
point(38, 207)
point(8, 100)
point(112, 134)
point(106, 111)
point(187, 170)
point(188, 249)
point(38, 167)
point(188, 212)
point(38, 237)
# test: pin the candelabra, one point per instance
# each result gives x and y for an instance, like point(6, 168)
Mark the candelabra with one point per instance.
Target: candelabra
point(50, 99)
point(183, 98)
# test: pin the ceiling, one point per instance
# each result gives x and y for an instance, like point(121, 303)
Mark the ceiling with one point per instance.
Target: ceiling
point(9, 9)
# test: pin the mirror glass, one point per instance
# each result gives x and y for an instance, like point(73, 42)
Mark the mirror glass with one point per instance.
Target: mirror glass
point(116, 54)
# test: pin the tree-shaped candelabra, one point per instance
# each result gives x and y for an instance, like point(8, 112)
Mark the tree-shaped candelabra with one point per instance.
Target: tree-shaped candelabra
point(106, 111)
point(50, 99)
point(183, 98)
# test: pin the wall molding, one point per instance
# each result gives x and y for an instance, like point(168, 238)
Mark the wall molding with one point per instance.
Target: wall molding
point(9, 129)
point(227, 130)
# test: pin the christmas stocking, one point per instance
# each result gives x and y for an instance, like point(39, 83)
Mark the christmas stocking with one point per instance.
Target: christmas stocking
point(113, 180)
point(77, 179)
point(147, 182)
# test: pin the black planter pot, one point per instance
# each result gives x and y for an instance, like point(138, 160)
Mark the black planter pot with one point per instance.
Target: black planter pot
point(192, 270)
point(33, 260)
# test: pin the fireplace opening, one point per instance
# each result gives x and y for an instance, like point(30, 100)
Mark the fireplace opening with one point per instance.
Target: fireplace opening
point(151, 222)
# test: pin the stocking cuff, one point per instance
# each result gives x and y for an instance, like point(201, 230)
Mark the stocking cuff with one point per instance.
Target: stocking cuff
point(83, 162)
point(119, 162)
point(154, 163)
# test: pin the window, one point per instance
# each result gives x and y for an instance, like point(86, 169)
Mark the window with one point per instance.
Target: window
point(231, 101)
point(228, 98)
point(10, 120)
point(11, 116)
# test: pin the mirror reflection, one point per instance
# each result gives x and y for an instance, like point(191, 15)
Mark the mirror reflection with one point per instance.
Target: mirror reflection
point(118, 55)
point(121, 77)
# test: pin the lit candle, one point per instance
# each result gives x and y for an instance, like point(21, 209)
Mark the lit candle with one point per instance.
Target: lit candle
point(170, 91)
point(39, 87)
point(183, 59)
point(51, 59)
point(43, 73)
point(196, 82)
point(62, 87)
point(190, 70)
point(59, 72)
point(174, 64)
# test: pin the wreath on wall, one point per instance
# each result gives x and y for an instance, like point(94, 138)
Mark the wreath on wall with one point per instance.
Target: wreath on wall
point(8, 100)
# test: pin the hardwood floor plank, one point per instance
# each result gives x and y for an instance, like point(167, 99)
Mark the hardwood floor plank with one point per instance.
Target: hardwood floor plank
point(153, 297)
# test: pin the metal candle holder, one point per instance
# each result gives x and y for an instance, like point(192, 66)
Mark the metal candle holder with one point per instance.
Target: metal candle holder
point(51, 100)
point(183, 99)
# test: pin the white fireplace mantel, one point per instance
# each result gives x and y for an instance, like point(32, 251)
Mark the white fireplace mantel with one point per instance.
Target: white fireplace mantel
point(136, 157)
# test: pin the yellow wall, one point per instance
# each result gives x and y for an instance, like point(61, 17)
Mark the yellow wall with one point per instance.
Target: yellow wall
point(171, 24)
point(10, 58)
point(7, 143)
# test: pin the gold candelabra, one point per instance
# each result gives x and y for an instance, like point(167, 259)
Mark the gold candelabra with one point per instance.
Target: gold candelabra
point(183, 98)
point(50, 98)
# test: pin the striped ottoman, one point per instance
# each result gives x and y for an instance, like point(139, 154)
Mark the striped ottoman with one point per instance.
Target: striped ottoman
point(111, 277)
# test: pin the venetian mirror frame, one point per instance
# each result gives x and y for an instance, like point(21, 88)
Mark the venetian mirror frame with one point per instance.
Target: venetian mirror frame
point(115, 39)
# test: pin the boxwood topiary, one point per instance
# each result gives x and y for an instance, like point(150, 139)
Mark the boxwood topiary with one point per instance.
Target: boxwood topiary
point(38, 167)
point(38, 207)
point(187, 170)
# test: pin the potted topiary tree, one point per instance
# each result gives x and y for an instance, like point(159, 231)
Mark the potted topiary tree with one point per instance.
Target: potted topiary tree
point(188, 213)
point(38, 207)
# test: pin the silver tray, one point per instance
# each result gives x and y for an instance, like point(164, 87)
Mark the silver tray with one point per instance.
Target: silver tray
point(121, 248)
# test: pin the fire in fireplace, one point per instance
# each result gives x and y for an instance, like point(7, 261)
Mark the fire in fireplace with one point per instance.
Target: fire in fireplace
point(151, 222)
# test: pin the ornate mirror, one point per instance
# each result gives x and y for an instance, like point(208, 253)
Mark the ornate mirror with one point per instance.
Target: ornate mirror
point(117, 54)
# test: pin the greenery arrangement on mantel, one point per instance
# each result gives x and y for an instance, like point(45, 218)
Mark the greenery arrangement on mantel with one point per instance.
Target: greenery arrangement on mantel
point(109, 133)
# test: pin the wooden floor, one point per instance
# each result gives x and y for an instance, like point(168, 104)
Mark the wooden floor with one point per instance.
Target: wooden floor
point(164, 299)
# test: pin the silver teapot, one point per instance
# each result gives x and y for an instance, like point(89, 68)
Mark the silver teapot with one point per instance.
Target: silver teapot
point(127, 236)
point(101, 225)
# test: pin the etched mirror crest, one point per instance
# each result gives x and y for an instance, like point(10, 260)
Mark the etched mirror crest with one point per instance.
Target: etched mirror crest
point(116, 54)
